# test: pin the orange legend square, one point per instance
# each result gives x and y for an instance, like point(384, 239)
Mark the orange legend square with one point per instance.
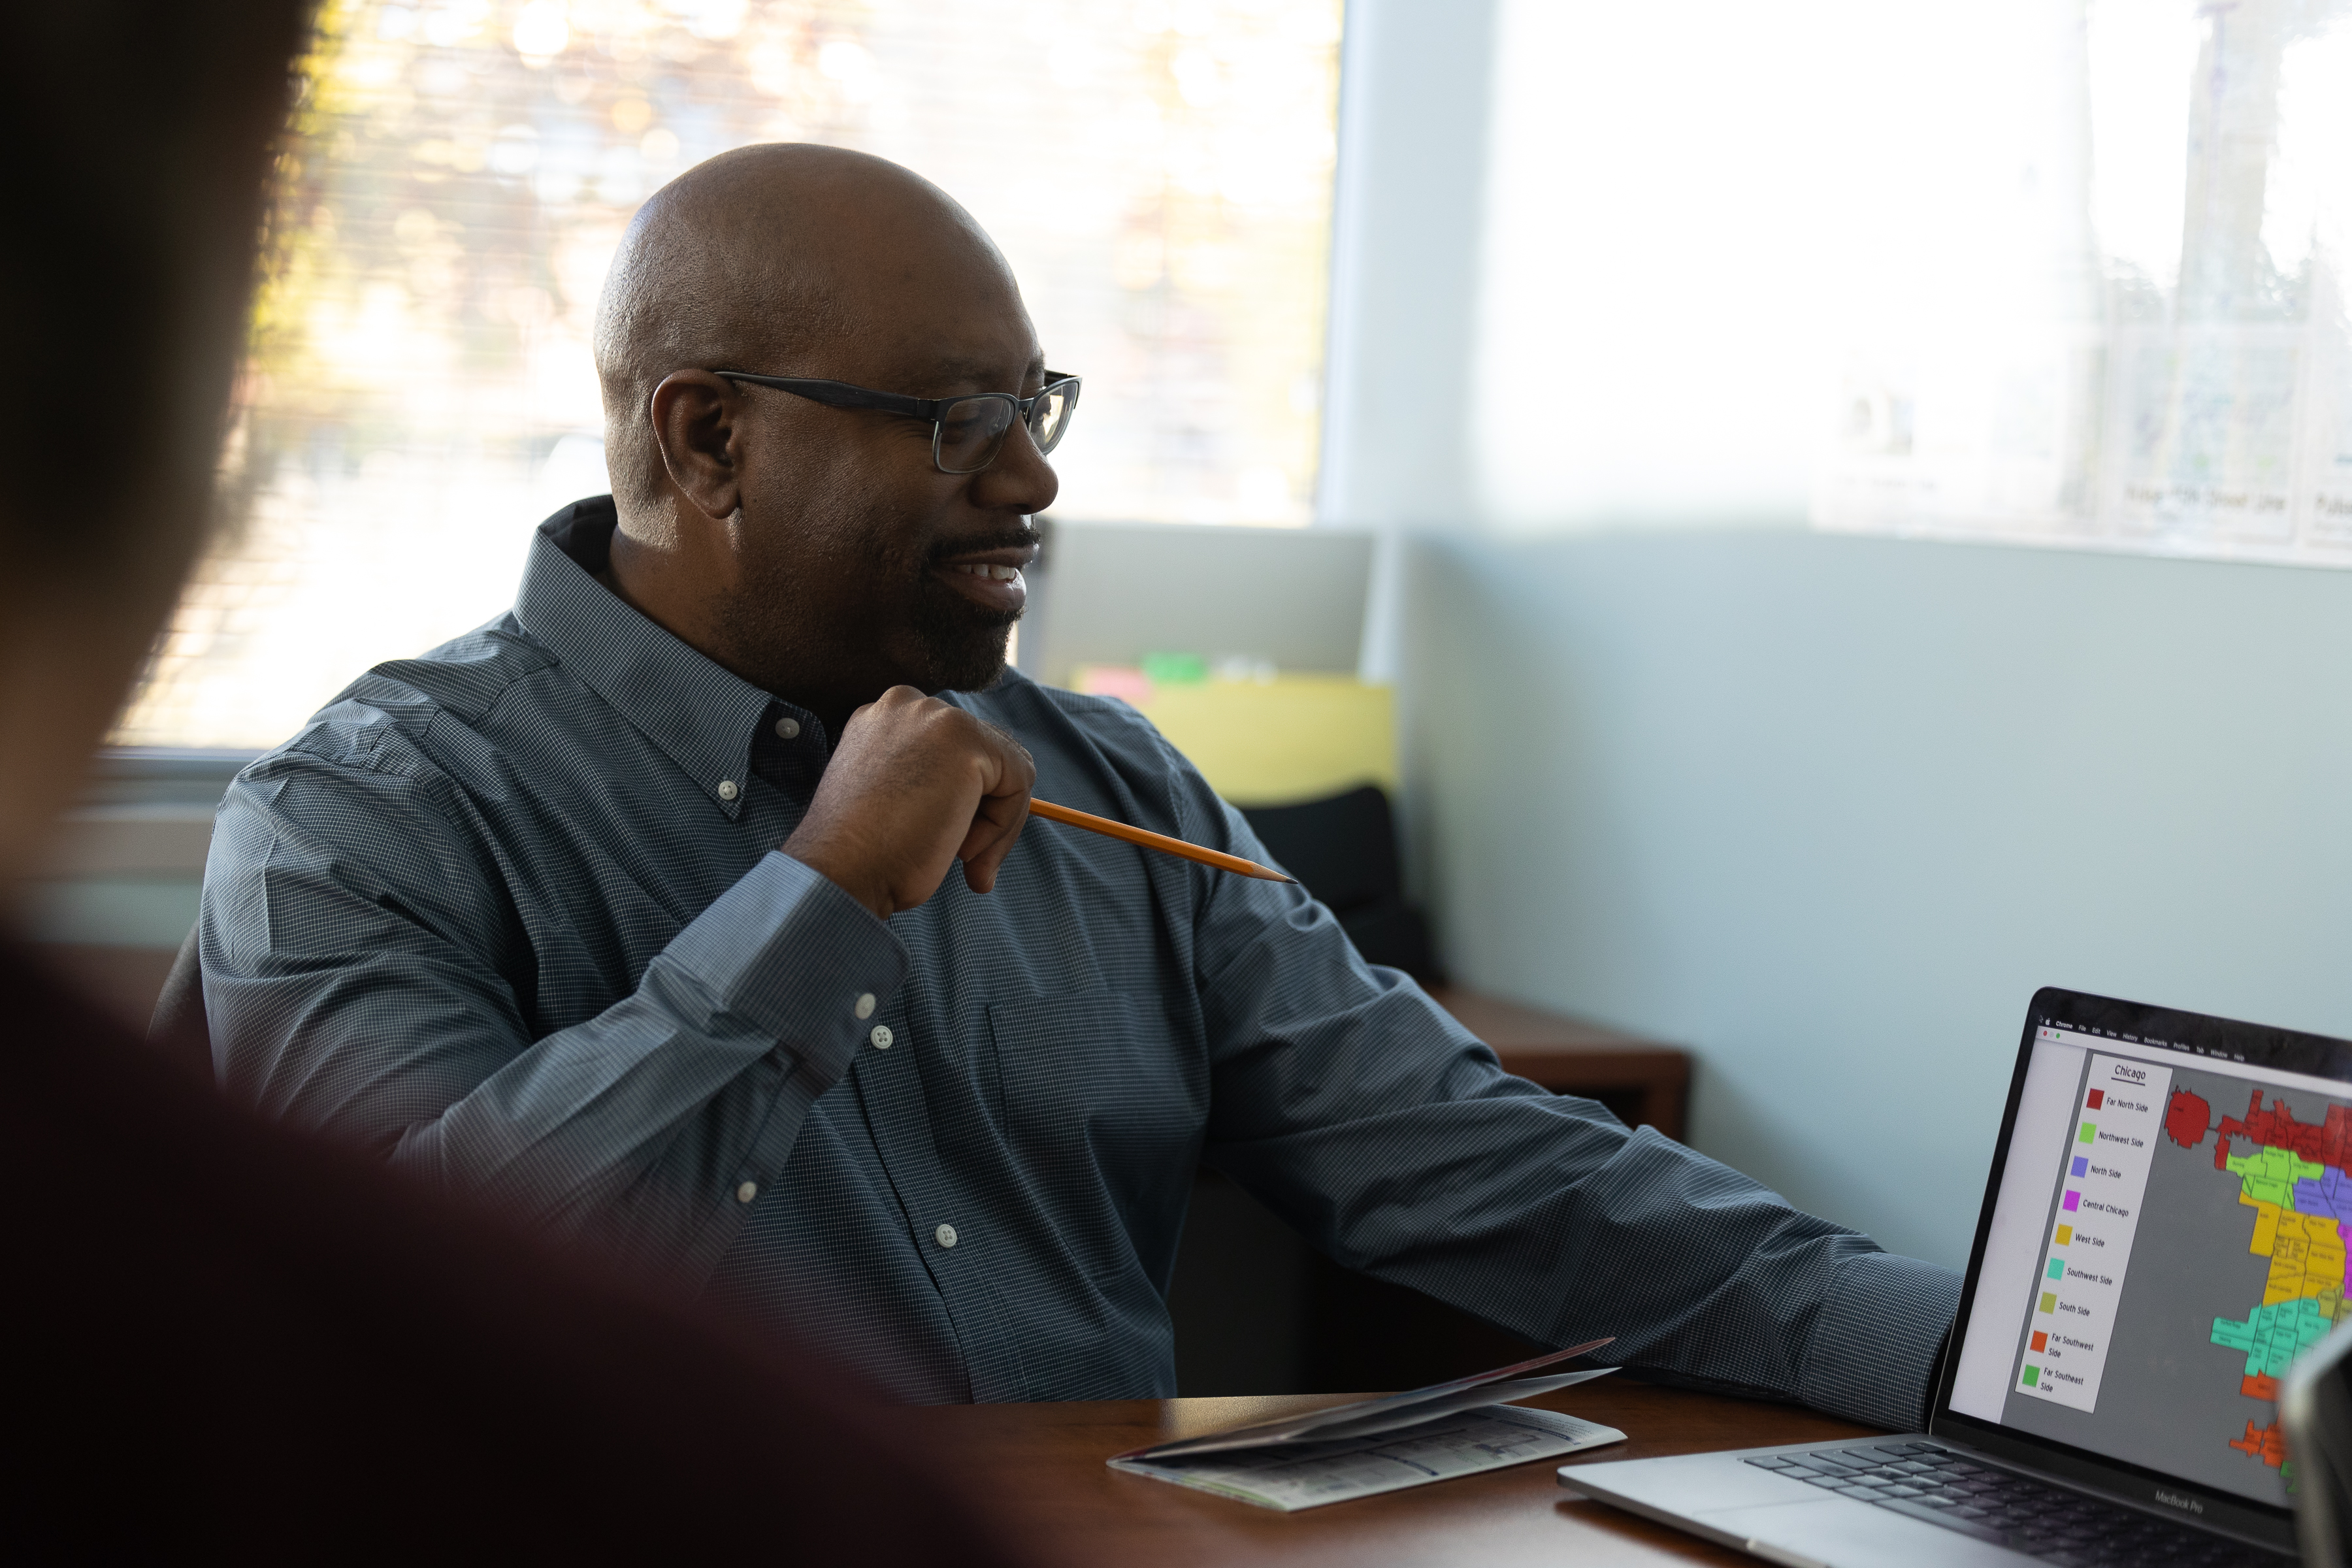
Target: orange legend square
point(2041, 1341)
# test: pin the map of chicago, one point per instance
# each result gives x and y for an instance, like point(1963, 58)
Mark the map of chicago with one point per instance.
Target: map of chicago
point(2294, 1179)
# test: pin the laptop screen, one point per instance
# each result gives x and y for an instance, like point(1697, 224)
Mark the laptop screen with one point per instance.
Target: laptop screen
point(2161, 1240)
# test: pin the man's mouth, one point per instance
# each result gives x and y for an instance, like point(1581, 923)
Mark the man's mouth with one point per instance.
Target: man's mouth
point(990, 578)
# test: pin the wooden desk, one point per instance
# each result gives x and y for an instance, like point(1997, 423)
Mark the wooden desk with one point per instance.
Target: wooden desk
point(1045, 1464)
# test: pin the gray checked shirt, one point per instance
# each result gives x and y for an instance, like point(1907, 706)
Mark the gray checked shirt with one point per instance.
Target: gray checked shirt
point(513, 916)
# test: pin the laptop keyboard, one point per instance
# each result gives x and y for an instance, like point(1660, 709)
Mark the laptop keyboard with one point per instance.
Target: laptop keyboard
point(2008, 1510)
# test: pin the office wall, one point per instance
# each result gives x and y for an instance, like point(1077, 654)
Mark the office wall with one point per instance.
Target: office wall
point(1825, 809)
point(1828, 809)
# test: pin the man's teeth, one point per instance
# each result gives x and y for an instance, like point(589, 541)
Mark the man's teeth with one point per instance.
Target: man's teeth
point(993, 573)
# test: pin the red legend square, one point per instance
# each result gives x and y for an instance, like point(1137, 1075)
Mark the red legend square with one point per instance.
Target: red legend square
point(2041, 1341)
point(2096, 1096)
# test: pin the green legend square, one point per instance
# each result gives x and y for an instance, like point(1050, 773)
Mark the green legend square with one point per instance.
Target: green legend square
point(2057, 1268)
point(2049, 1300)
point(2032, 1377)
point(2090, 1130)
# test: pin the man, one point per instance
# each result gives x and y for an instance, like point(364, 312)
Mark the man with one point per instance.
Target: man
point(631, 913)
point(220, 1334)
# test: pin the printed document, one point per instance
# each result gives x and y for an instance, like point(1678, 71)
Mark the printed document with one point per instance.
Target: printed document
point(1433, 1434)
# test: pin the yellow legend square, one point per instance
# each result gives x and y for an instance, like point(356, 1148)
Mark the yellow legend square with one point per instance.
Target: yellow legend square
point(2065, 1234)
point(2048, 1300)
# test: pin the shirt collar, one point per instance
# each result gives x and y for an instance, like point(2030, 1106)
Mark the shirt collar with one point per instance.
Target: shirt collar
point(703, 718)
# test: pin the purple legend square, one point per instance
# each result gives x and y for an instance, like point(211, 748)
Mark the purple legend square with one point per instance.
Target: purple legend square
point(2073, 1201)
point(2082, 1164)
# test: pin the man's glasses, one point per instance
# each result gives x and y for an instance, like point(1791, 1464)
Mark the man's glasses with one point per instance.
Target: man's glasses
point(966, 432)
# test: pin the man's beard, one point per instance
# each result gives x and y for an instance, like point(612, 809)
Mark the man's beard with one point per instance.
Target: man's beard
point(958, 645)
point(962, 643)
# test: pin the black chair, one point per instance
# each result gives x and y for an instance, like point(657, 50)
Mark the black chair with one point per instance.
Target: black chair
point(178, 1027)
point(1344, 848)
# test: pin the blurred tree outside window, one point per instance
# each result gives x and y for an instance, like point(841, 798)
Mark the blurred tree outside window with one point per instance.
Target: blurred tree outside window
point(420, 393)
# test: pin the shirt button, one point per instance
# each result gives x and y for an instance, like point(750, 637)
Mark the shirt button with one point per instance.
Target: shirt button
point(788, 729)
point(866, 1005)
point(746, 1192)
point(727, 790)
point(945, 1236)
point(882, 1037)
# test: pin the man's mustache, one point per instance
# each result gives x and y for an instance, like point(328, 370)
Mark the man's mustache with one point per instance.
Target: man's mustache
point(1027, 536)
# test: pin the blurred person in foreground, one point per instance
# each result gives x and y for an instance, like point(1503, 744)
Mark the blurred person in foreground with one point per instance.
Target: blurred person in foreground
point(631, 912)
point(219, 1334)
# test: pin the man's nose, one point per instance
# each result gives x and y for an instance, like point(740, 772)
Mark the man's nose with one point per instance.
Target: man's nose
point(1021, 480)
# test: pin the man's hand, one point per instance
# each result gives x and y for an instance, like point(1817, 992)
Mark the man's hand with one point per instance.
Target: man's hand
point(914, 784)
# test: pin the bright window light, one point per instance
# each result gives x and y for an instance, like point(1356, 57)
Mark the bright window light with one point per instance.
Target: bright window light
point(2065, 271)
point(420, 393)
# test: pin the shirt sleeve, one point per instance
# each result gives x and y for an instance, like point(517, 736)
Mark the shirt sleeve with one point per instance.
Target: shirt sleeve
point(360, 982)
point(1361, 1112)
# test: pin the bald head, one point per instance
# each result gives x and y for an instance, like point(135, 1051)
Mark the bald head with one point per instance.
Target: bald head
point(771, 259)
point(820, 551)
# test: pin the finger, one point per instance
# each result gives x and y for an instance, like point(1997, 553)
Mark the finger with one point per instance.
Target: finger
point(995, 817)
point(996, 829)
point(1016, 770)
point(1003, 809)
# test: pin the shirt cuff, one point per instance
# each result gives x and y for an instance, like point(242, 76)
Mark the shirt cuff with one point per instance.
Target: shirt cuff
point(788, 950)
point(1873, 1351)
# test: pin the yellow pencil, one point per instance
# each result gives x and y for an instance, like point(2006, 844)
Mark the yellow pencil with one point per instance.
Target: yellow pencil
point(1160, 841)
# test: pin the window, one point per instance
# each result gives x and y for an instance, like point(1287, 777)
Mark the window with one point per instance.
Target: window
point(420, 393)
point(2065, 271)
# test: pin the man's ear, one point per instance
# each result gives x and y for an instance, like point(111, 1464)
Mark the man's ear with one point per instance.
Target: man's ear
point(693, 420)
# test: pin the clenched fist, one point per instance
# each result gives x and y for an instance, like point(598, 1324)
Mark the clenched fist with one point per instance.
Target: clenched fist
point(914, 785)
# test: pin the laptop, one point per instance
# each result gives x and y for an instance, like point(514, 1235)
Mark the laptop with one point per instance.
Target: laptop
point(2159, 1241)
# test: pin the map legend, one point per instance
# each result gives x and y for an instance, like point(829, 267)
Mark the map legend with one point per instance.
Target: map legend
point(2100, 1188)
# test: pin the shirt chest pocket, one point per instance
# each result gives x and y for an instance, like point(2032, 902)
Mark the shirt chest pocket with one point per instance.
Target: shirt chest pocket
point(1095, 1087)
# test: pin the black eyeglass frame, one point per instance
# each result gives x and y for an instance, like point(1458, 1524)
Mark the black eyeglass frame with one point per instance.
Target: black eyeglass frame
point(933, 410)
